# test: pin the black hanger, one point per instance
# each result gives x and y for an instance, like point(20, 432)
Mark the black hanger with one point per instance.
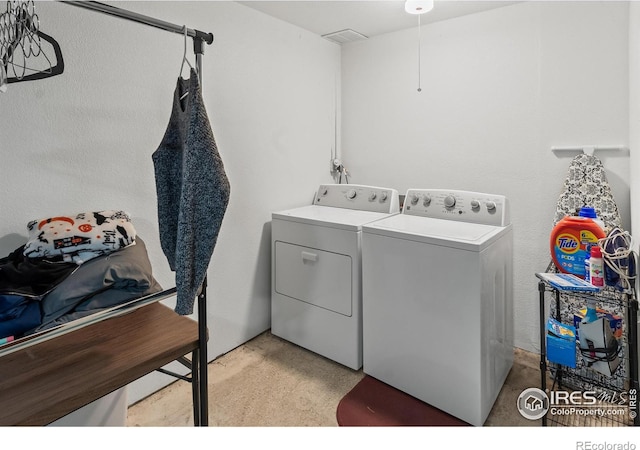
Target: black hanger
point(57, 69)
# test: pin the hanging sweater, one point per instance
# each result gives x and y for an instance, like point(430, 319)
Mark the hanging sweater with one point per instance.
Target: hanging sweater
point(192, 189)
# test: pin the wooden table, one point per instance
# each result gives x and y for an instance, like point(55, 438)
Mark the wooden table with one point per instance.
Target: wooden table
point(41, 383)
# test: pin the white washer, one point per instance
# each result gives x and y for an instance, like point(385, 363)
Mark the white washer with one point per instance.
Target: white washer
point(316, 288)
point(438, 300)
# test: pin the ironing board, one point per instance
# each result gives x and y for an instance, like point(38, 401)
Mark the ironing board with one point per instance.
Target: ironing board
point(586, 185)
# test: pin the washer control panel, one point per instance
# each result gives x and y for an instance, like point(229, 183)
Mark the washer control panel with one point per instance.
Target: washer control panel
point(355, 196)
point(463, 206)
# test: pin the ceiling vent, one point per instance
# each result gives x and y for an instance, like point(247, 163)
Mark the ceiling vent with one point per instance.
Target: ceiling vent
point(345, 36)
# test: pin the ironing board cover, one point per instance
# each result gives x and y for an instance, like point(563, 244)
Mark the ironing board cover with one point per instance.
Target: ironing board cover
point(586, 185)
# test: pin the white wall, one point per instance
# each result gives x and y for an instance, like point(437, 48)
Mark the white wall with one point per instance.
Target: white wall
point(499, 89)
point(83, 140)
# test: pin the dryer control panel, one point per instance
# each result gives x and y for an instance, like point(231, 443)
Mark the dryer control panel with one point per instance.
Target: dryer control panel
point(462, 206)
point(356, 196)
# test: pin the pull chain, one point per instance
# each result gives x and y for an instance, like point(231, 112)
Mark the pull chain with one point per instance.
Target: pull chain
point(419, 52)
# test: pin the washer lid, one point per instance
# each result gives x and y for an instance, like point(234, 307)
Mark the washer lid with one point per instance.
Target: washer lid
point(345, 219)
point(463, 235)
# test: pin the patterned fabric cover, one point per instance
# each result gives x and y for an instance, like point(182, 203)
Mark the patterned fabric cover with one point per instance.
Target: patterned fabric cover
point(586, 185)
point(79, 237)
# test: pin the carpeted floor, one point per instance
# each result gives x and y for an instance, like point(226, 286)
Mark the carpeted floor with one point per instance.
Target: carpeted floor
point(271, 382)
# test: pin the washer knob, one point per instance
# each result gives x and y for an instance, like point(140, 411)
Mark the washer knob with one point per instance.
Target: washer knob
point(351, 194)
point(449, 201)
point(491, 206)
point(372, 196)
point(426, 201)
point(383, 196)
point(475, 205)
point(414, 199)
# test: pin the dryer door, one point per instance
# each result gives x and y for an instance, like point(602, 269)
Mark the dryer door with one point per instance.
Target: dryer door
point(314, 276)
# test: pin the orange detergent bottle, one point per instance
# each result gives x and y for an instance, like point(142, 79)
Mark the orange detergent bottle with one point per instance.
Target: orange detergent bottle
point(570, 241)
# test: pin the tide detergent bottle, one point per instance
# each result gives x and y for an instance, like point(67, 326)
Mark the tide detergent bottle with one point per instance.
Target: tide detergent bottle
point(570, 241)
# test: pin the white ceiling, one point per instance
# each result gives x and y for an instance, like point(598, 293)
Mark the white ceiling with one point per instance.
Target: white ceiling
point(370, 18)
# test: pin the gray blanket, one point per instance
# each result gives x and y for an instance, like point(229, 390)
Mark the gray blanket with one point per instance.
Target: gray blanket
point(100, 283)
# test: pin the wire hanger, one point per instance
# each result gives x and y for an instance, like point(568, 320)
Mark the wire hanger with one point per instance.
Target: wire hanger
point(22, 54)
point(184, 59)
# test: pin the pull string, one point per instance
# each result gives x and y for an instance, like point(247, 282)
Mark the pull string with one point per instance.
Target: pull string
point(419, 52)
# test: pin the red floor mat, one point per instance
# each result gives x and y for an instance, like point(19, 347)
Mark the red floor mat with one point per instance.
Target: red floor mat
point(374, 403)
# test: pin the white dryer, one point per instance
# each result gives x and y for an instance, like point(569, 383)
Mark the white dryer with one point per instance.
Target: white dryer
point(316, 286)
point(438, 300)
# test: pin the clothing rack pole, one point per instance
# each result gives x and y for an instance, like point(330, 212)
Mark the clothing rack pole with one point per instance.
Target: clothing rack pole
point(140, 18)
point(203, 377)
point(199, 374)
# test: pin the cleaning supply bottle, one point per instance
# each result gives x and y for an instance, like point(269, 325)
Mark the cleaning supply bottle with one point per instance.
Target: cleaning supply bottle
point(594, 266)
point(587, 264)
point(569, 240)
point(591, 315)
point(597, 266)
point(590, 212)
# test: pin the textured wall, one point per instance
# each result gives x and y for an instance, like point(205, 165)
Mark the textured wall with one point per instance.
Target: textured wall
point(84, 139)
point(499, 89)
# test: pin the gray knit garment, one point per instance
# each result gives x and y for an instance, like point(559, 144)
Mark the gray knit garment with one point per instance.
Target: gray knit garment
point(193, 191)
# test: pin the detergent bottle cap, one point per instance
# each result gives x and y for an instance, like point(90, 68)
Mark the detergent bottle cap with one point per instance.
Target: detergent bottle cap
point(596, 252)
point(588, 211)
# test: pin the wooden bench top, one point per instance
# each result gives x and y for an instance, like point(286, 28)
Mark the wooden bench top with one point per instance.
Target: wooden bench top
point(41, 383)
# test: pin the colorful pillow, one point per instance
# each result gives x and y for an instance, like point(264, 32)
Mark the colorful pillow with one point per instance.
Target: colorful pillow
point(79, 237)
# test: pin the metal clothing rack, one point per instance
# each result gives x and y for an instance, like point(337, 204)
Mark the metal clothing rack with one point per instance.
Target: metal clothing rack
point(199, 367)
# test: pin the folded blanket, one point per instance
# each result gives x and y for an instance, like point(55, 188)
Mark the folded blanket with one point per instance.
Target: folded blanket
point(79, 237)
